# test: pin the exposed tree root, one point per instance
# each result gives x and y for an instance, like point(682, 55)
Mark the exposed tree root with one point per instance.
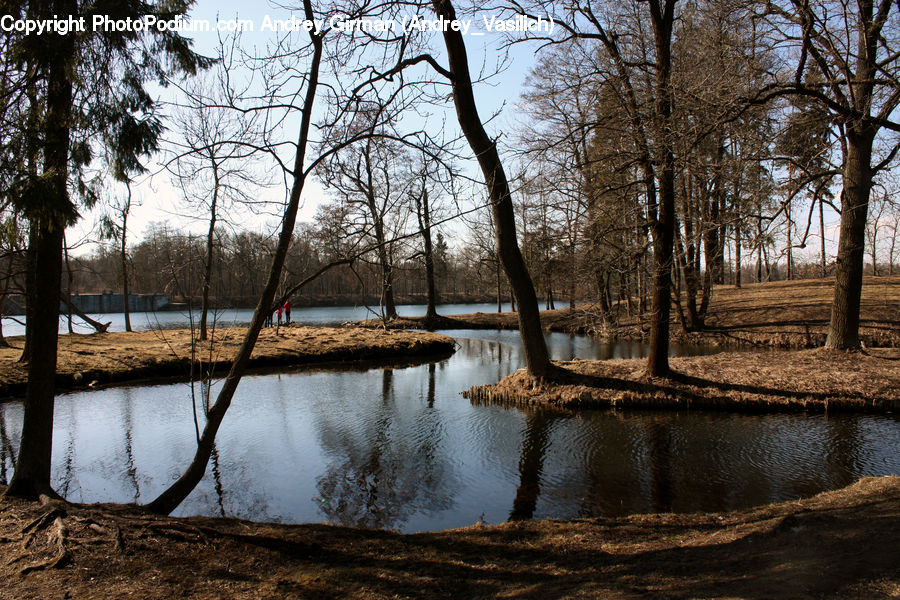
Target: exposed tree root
point(41, 521)
point(62, 554)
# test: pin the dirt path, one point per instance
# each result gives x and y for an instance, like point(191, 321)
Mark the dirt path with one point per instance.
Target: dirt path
point(840, 544)
point(87, 360)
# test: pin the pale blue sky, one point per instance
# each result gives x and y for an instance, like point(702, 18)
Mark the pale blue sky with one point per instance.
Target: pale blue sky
point(159, 200)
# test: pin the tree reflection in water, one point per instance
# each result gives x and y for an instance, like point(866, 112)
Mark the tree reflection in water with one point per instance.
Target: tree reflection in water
point(531, 463)
point(7, 451)
point(387, 467)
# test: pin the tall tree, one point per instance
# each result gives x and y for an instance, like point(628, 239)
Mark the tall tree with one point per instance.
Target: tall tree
point(116, 64)
point(853, 49)
point(537, 358)
point(115, 227)
point(215, 160)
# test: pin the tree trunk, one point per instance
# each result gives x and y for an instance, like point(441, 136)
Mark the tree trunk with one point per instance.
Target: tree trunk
point(824, 263)
point(48, 220)
point(6, 283)
point(125, 265)
point(790, 243)
point(97, 325)
point(178, 491)
point(573, 278)
point(499, 288)
point(425, 230)
point(69, 279)
point(663, 226)
point(32, 475)
point(30, 287)
point(843, 332)
point(210, 242)
point(537, 358)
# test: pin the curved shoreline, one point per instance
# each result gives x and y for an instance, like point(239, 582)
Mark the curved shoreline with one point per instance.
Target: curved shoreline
point(809, 381)
point(105, 358)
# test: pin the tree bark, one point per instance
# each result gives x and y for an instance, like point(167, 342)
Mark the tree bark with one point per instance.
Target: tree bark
point(425, 230)
point(124, 255)
point(843, 331)
point(69, 279)
point(97, 325)
point(737, 255)
point(48, 220)
point(537, 358)
point(663, 226)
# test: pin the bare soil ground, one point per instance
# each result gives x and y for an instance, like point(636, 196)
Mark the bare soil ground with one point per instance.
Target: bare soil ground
point(88, 360)
point(840, 544)
point(784, 314)
point(816, 380)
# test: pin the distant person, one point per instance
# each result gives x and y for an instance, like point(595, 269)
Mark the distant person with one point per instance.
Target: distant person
point(278, 314)
point(267, 322)
point(287, 312)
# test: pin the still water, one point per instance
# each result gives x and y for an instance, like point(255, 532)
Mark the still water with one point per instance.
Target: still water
point(239, 317)
point(402, 449)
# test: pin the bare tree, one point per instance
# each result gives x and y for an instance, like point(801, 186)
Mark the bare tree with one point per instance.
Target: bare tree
point(852, 49)
point(114, 226)
point(537, 357)
point(215, 162)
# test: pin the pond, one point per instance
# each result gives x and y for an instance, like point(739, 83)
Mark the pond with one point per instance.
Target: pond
point(240, 317)
point(402, 449)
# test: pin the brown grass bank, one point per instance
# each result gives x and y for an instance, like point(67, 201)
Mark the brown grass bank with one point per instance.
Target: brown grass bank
point(117, 357)
point(840, 544)
point(784, 314)
point(816, 380)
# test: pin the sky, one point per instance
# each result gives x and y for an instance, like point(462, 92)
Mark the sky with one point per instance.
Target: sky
point(156, 199)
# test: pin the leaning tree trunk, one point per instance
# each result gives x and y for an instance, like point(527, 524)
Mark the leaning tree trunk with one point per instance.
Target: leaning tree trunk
point(843, 332)
point(180, 489)
point(48, 220)
point(537, 358)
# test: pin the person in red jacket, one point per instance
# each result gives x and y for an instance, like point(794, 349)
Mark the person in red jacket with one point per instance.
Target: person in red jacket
point(287, 312)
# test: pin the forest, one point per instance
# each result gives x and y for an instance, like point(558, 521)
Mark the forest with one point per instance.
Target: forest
point(659, 156)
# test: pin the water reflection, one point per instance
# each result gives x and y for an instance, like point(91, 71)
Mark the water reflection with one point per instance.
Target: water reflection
point(531, 464)
point(400, 448)
point(382, 470)
point(7, 452)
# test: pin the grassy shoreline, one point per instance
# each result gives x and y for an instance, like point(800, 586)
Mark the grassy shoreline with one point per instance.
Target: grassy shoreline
point(97, 359)
point(838, 544)
point(784, 314)
point(816, 380)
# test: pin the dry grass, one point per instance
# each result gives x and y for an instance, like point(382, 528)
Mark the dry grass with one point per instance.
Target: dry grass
point(806, 380)
point(784, 314)
point(840, 544)
point(115, 357)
